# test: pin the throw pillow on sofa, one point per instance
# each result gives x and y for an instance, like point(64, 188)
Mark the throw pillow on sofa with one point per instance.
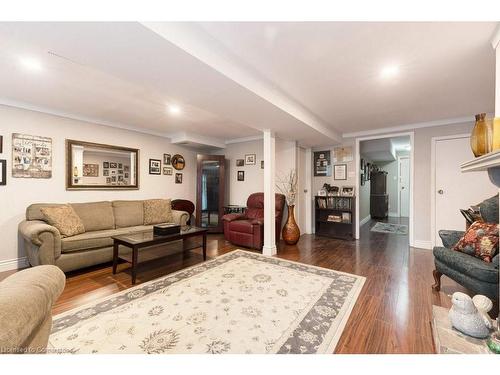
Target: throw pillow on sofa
point(157, 211)
point(65, 219)
point(480, 240)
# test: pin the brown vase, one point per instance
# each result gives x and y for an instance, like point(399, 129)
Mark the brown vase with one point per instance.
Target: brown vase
point(481, 137)
point(291, 231)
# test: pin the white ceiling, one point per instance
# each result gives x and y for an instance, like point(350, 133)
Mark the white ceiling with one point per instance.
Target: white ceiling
point(307, 81)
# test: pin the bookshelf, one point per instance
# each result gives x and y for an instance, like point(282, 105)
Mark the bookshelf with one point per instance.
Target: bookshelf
point(335, 216)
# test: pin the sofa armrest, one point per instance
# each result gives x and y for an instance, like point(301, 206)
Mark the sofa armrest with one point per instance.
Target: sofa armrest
point(233, 217)
point(450, 237)
point(42, 242)
point(180, 217)
point(26, 300)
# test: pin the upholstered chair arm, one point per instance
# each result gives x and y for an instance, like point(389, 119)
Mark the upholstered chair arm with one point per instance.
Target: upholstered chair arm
point(233, 217)
point(180, 217)
point(26, 300)
point(42, 242)
point(257, 221)
point(450, 237)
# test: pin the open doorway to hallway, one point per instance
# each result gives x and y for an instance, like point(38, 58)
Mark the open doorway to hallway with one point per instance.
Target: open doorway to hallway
point(385, 186)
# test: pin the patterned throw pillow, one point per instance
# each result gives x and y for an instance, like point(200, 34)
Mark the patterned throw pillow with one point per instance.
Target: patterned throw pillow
point(65, 219)
point(480, 240)
point(157, 211)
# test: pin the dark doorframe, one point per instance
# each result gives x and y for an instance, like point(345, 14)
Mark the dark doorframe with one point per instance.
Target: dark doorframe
point(210, 181)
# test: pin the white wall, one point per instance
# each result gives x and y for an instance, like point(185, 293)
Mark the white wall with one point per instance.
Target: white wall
point(19, 192)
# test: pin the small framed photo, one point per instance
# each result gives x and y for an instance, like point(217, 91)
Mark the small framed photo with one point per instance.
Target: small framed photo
point(168, 171)
point(120, 171)
point(1, 144)
point(105, 172)
point(126, 175)
point(347, 191)
point(340, 172)
point(120, 178)
point(178, 178)
point(262, 164)
point(120, 166)
point(155, 166)
point(167, 159)
point(241, 175)
point(105, 164)
point(250, 159)
point(126, 168)
point(113, 171)
point(3, 172)
point(108, 180)
point(113, 165)
point(113, 178)
point(240, 162)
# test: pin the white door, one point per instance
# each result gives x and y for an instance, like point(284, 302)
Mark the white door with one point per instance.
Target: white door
point(404, 186)
point(302, 184)
point(456, 190)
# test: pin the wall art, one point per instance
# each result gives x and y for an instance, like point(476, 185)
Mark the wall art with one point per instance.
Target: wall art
point(342, 154)
point(154, 166)
point(31, 156)
point(167, 159)
point(340, 172)
point(168, 171)
point(240, 162)
point(250, 159)
point(241, 175)
point(3, 172)
point(322, 166)
point(178, 178)
point(178, 162)
point(90, 170)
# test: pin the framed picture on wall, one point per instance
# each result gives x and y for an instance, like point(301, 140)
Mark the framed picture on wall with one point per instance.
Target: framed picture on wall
point(168, 171)
point(105, 164)
point(250, 159)
point(154, 166)
point(322, 166)
point(167, 159)
point(3, 172)
point(178, 178)
point(340, 172)
point(342, 154)
point(1, 144)
point(241, 175)
point(240, 162)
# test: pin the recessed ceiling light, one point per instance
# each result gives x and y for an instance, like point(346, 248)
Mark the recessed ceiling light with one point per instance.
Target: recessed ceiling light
point(31, 63)
point(174, 109)
point(390, 71)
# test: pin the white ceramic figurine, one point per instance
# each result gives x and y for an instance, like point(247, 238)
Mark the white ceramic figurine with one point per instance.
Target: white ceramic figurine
point(466, 318)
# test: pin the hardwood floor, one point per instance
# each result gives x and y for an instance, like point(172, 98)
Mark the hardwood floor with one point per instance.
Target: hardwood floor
point(392, 314)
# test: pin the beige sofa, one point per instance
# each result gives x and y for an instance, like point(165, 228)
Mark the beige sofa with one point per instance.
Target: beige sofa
point(44, 244)
point(26, 300)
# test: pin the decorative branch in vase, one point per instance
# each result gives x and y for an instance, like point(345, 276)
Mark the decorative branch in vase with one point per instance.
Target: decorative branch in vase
point(288, 187)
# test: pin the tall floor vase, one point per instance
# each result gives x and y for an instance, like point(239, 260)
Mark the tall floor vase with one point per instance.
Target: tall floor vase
point(291, 231)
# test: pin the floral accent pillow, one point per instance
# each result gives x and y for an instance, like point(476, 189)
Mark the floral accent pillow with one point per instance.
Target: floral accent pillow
point(157, 211)
point(480, 240)
point(65, 219)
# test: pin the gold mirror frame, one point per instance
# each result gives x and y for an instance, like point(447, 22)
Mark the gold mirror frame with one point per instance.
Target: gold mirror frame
point(69, 167)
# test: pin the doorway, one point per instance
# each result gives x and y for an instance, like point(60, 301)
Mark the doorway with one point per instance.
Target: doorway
point(384, 166)
point(210, 188)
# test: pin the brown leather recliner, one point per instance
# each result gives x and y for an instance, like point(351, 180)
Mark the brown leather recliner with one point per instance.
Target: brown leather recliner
point(247, 229)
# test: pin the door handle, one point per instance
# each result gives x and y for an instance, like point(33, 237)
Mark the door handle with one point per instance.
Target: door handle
point(441, 191)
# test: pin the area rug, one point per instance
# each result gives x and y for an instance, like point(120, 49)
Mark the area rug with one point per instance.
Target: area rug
point(240, 302)
point(390, 228)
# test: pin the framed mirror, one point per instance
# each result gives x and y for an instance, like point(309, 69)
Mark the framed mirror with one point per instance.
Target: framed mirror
point(94, 166)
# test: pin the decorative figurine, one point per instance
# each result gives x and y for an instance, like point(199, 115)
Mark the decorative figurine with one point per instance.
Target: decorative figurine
point(484, 305)
point(466, 318)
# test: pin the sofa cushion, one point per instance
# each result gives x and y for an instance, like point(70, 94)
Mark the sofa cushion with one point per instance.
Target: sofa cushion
point(467, 264)
point(65, 219)
point(33, 212)
point(128, 213)
point(157, 211)
point(95, 215)
point(98, 239)
point(480, 240)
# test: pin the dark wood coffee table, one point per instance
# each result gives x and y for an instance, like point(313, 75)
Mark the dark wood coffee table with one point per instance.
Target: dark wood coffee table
point(139, 241)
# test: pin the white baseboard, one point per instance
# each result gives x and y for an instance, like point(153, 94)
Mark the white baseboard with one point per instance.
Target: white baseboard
point(422, 244)
point(365, 220)
point(393, 214)
point(13, 264)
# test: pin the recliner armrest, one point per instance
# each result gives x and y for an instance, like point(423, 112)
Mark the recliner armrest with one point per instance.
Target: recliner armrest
point(450, 237)
point(233, 217)
point(257, 221)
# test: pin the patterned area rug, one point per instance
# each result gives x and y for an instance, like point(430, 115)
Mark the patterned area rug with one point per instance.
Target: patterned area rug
point(240, 302)
point(390, 228)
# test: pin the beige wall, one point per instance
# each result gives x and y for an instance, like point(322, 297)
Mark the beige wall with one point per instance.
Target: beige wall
point(19, 192)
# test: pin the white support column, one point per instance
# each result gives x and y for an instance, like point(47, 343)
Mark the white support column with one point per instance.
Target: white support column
point(309, 194)
point(269, 194)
